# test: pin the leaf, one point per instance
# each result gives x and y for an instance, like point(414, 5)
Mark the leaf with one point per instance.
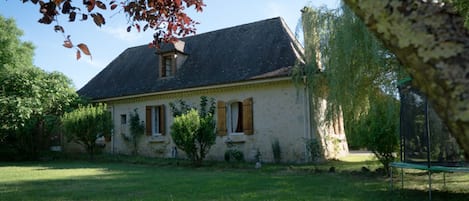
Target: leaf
point(78, 55)
point(145, 27)
point(34, 1)
point(57, 2)
point(84, 17)
point(129, 28)
point(68, 43)
point(98, 19)
point(58, 28)
point(71, 16)
point(113, 6)
point(138, 27)
point(67, 6)
point(101, 5)
point(90, 5)
point(84, 49)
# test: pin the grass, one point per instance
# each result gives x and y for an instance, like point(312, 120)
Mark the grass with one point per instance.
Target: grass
point(137, 178)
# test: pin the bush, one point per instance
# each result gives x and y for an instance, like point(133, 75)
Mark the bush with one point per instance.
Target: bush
point(234, 154)
point(86, 124)
point(193, 131)
point(314, 148)
point(379, 130)
point(136, 130)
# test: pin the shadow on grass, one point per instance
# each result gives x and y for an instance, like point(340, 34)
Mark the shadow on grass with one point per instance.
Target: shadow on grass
point(140, 178)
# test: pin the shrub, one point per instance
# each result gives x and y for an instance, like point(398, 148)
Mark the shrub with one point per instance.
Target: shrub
point(313, 146)
point(235, 154)
point(86, 124)
point(136, 130)
point(194, 131)
point(379, 130)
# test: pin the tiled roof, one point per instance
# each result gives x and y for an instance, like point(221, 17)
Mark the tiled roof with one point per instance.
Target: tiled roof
point(259, 50)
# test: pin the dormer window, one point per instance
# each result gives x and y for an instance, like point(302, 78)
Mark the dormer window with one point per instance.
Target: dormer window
point(168, 66)
point(171, 58)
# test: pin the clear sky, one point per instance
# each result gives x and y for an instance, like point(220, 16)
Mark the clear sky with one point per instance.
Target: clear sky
point(107, 42)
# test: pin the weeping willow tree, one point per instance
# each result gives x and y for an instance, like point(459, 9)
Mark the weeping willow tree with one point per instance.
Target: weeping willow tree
point(345, 67)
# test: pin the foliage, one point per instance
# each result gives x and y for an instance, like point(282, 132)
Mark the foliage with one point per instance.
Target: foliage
point(276, 151)
point(86, 124)
point(379, 129)
point(137, 129)
point(194, 131)
point(31, 100)
point(166, 18)
point(234, 154)
point(313, 146)
point(343, 62)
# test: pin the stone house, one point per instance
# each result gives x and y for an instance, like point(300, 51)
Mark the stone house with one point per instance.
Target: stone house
point(246, 69)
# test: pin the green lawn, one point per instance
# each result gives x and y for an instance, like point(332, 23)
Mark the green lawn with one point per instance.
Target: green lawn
point(164, 180)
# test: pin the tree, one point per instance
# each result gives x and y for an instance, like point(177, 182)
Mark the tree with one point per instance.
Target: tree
point(346, 66)
point(194, 131)
point(430, 40)
point(379, 129)
point(31, 100)
point(167, 18)
point(86, 124)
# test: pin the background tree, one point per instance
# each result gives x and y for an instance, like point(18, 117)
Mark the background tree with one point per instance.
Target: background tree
point(345, 66)
point(31, 100)
point(167, 18)
point(194, 131)
point(378, 129)
point(430, 40)
point(86, 124)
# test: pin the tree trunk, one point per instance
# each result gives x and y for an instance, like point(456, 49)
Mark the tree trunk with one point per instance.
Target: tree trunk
point(432, 42)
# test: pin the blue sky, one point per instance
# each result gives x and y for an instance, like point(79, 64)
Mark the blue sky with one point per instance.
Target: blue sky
point(107, 42)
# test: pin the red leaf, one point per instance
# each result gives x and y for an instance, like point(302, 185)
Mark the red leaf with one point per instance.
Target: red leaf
point(101, 5)
point(113, 6)
point(84, 49)
point(78, 54)
point(90, 5)
point(68, 43)
point(98, 19)
point(138, 27)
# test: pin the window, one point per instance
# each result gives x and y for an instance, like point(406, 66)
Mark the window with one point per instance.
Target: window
point(123, 119)
point(155, 120)
point(235, 117)
point(167, 65)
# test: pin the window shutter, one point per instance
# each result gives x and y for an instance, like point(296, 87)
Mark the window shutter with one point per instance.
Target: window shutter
point(221, 118)
point(162, 120)
point(247, 117)
point(148, 120)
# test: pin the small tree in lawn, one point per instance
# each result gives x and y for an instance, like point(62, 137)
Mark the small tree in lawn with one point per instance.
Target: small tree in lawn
point(86, 124)
point(194, 131)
